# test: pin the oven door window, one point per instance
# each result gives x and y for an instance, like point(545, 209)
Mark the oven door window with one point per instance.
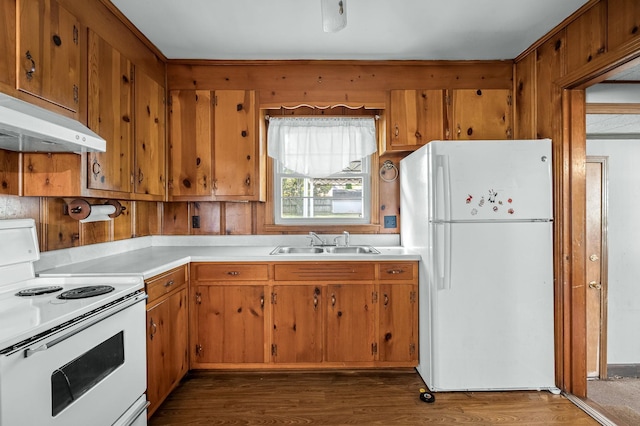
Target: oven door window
point(75, 378)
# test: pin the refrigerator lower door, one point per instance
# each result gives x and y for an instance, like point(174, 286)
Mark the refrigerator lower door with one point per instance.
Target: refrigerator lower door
point(492, 324)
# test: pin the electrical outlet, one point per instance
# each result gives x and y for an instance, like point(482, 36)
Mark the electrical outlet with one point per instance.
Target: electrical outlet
point(195, 221)
point(390, 222)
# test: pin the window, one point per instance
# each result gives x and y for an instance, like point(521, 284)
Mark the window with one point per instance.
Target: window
point(342, 198)
point(322, 169)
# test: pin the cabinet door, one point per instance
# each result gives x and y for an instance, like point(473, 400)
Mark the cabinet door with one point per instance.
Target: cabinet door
point(167, 343)
point(235, 142)
point(416, 117)
point(481, 114)
point(190, 143)
point(229, 323)
point(297, 323)
point(397, 327)
point(149, 135)
point(110, 115)
point(350, 323)
point(48, 54)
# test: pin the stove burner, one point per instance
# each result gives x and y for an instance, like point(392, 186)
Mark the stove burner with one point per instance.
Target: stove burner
point(83, 292)
point(37, 291)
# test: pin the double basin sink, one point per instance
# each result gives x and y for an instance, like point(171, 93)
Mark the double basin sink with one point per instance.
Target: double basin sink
point(325, 250)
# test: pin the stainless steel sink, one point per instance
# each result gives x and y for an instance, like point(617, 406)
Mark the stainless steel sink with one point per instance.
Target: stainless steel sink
point(351, 250)
point(298, 250)
point(325, 250)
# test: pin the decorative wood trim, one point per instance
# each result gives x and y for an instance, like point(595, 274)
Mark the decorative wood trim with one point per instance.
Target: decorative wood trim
point(574, 277)
point(609, 108)
point(604, 66)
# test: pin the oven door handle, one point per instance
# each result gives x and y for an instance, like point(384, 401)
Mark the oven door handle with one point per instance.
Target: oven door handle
point(84, 325)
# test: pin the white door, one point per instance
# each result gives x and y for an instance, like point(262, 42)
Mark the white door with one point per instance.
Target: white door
point(493, 321)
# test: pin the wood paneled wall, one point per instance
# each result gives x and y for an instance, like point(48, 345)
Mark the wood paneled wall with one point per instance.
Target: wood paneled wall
point(549, 82)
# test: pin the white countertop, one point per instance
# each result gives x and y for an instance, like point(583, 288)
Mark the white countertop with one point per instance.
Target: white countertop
point(153, 260)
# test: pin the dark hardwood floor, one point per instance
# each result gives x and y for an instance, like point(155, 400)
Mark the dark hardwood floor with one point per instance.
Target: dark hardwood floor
point(350, 398)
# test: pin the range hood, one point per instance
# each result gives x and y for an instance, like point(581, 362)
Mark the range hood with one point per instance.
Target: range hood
point(29, 128)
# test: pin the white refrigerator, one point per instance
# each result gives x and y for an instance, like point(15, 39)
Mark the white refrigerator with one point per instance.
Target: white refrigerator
point(480, 214)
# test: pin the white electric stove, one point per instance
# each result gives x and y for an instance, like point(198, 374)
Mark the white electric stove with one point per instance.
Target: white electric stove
point(71, 348)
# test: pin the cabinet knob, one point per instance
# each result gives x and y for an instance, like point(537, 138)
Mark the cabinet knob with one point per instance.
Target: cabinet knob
point(169, 283)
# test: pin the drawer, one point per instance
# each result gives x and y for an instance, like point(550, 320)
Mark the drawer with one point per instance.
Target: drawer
point(329, 271)
point(166, 283)
point(397, 271)
point(230, 271)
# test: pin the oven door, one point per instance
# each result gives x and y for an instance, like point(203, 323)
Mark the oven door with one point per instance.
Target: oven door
point(91, 373)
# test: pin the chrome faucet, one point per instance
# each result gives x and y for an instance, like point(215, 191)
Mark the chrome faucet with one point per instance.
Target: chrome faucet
point(313, 235)
point(345, 235)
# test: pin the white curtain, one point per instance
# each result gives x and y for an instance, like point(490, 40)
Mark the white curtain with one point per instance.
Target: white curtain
point(319, 147)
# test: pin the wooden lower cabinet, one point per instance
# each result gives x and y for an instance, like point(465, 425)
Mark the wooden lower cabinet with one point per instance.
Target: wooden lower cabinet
point(167, 335)
point(304, 315)
point(350, 323)
point(229, 325)
point(397, 324)
point(297, 313)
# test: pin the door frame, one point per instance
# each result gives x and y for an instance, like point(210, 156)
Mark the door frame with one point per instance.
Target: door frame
point(604, 259)
point(569, 166)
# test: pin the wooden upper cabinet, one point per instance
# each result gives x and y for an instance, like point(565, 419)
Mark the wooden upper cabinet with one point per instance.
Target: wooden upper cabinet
point(149, 168)
point(214, 148)
point(110, 105)
point(480, 114)
point(235, 145)
point(190, 143)
point(415, 118)
point(48, 52)
point(586, 37)
point(623, 21)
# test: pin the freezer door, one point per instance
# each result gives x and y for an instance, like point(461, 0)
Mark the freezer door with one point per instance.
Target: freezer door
point(492, 325)
point(491, 180)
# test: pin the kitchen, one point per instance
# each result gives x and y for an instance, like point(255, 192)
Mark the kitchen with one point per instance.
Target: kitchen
point(47, 183)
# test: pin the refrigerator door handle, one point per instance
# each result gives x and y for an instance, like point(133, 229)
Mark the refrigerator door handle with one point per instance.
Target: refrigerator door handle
point(443, 255)
point(443, 188)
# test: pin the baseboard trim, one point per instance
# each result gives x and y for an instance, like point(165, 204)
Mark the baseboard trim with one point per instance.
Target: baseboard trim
point(591, 411)
point(623, 370)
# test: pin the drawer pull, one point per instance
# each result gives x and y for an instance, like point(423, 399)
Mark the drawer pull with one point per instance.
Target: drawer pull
point(169, 283)
point(233, 273)
point(333, 300)
point(386, 299)
point(395, 271)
